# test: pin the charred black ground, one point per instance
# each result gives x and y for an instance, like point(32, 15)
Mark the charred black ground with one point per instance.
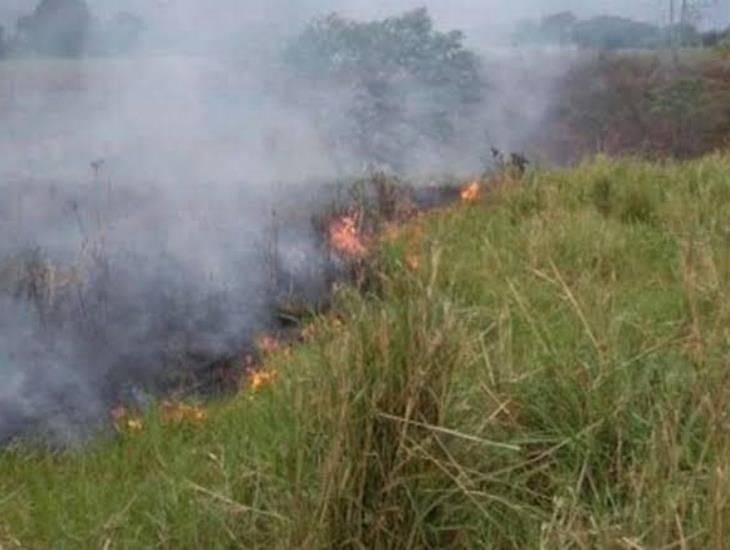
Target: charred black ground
point(130, 314)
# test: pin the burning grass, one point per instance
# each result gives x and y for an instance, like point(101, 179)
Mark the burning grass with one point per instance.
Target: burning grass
point(471, 193)
point(553, 374)
point(345, 237)
point(82, 311)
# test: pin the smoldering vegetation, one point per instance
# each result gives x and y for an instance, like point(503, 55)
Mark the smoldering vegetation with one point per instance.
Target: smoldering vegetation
point(160, 209)
point(113, 296)
point(128, 295)
point(159, 212)
point(139, 237)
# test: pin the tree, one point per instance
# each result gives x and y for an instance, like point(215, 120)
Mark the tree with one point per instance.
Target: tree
point(57, 27)
point(683, 16)
point(558, 26)
point(3, 47)
point(723, 47)
point(553, 29)
point(715, 38)
point(602, 32)
point(410, 84)
point(608, 32)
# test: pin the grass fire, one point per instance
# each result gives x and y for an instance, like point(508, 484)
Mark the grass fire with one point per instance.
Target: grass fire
point(345, 237)
point(321, 275)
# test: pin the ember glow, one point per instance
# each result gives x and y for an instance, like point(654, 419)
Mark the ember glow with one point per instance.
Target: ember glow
point(471, 193)
point(261, 379)
point(413, 262)
point(345, 237)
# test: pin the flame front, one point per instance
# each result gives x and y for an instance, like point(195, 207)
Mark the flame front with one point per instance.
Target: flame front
point(345, 238)
point(471, 192)
point(260, 379)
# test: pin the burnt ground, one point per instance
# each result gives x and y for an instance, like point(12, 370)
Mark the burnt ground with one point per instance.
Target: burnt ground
point(153, 296)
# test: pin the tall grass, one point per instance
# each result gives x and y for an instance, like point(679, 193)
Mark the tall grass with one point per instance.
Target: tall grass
point(546, 369)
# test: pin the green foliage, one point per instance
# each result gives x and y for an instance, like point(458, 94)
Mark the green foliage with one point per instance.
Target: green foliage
point(57, 27)
point(551, 29)
point(528, 372)
point(411, 83)
point(713, 38)
point(680, 103)
point(723, 48)
point(679, 98)
point(614, 33)
point(67, 28)
point(608, 32)
point(639, 104)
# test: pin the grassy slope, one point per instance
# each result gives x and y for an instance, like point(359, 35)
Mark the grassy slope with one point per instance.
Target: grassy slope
point(549, 368)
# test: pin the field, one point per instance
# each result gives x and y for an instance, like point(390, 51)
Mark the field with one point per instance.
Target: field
point(543, 367)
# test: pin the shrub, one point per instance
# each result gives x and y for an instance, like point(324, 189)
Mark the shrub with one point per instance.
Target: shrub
point(630, 104)
point(723, 48)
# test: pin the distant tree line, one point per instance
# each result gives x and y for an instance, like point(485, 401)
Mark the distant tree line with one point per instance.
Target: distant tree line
point(67, 28)
point(610, 32)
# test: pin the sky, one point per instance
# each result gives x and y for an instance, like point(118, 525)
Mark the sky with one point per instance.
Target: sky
point(465, 14)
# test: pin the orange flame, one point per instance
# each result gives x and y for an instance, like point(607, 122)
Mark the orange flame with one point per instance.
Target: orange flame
point(471, 192)
point(345, 238)
point(261, 378)
point(413, 261)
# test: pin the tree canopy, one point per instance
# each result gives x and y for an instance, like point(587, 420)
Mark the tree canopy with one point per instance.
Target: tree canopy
point(411, 83)
point(609, 32)
point(606, 32)
point(67, 28)
point(57, 27)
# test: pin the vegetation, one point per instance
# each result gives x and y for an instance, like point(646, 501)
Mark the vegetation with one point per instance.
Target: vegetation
point(723, 48)
point(639, 104)
point(57, 27)
point(611, 32)
point(715, 39)
point(410, 84)
point(541, 367)
point(67, 28)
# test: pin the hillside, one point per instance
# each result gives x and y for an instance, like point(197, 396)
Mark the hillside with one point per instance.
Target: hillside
point(543, 366)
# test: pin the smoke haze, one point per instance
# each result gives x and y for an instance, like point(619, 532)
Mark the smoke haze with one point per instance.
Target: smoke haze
point(140, 193)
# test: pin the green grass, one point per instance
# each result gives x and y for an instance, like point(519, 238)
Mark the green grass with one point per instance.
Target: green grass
point(553, 373)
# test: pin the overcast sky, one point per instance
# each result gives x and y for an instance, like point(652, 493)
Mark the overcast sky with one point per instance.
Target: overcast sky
point(184, 15)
